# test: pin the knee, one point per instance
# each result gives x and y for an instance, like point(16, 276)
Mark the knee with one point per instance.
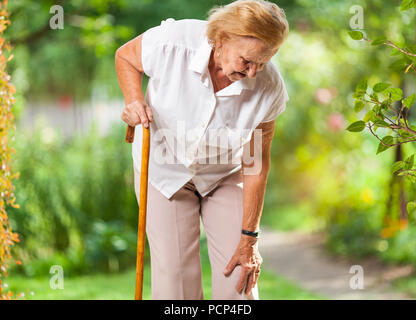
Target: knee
point(224, 288)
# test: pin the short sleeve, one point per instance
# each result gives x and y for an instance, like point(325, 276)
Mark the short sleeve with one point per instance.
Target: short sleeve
point(153, 47)
point(278, 105)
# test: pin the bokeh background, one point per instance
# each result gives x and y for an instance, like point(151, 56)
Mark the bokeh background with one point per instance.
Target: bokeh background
point(78, 209)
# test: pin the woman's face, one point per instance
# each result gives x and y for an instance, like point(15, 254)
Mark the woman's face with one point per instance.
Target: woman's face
point(242, 56)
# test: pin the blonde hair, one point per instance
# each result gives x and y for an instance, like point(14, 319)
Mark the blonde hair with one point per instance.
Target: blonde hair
point(254, 18)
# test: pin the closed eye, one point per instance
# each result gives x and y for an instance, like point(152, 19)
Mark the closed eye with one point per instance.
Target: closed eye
point(246, 62)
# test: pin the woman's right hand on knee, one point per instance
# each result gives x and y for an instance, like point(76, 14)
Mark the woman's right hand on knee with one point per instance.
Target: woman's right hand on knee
point(137, 112)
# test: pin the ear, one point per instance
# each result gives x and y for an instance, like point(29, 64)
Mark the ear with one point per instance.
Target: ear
point(218, 43)
point(221, 38)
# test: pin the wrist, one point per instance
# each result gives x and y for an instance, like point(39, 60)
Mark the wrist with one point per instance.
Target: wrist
point(137, 100)
point(247, 240)
point(250, 232)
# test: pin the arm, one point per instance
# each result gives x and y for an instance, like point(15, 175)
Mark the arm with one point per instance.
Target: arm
point(254, 189)
point(255, 185)
point(129, 69)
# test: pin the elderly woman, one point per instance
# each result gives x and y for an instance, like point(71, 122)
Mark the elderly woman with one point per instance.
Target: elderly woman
point(208, 79)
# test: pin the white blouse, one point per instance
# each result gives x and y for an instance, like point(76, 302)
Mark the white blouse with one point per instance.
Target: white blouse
point(195, 133)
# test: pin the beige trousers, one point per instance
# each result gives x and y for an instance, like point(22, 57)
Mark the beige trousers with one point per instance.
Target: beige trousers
point(173, 232)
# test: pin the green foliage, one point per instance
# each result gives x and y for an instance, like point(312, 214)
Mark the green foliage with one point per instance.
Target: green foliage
point(407, 4)
point(380, 103)
point(397, 166)
point(411, 206)
point(386, 107)
point(358, 235)
point(93, 30)
point(395, 94)
point(356, 35)
point(400, 248)
point(380, 87)
point(91, 34)
point(409, 101)
point(406, 284)
point(385, 143)
point(354, 233)
point(78, 206)
point(379, 40)
point(361, 88)
point(356, 126)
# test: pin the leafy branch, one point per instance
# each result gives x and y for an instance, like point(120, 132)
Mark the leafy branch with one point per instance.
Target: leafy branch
point(380, 100)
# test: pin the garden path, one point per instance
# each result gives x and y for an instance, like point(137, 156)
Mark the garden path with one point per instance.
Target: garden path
point(302, 258)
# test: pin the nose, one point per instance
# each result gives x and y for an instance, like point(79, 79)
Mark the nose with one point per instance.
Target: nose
point(252, 71)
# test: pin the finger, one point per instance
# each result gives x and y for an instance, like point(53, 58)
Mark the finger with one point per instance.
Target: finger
point(230, 267)
point(242, 281)
point(249, 284)
point(123, 117)
point(143, 117)
point(136, 112)
point(127, 118)
point(130, 115)
point(149, 113)
point(255, 278)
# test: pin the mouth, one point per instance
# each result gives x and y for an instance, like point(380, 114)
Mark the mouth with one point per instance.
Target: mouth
point(240, 74)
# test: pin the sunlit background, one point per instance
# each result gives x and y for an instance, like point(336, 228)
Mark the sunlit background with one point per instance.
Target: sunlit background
point(331, 202)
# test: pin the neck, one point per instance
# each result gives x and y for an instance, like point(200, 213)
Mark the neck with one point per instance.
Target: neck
point(218, 77)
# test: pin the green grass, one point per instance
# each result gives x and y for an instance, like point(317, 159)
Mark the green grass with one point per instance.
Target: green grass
point(88, 287)
point(120, 286)
point(407, 285)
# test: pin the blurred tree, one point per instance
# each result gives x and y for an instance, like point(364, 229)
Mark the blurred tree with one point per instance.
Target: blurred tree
point(48, 60)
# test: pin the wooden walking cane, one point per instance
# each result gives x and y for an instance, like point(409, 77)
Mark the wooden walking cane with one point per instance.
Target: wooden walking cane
point(142, 207)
